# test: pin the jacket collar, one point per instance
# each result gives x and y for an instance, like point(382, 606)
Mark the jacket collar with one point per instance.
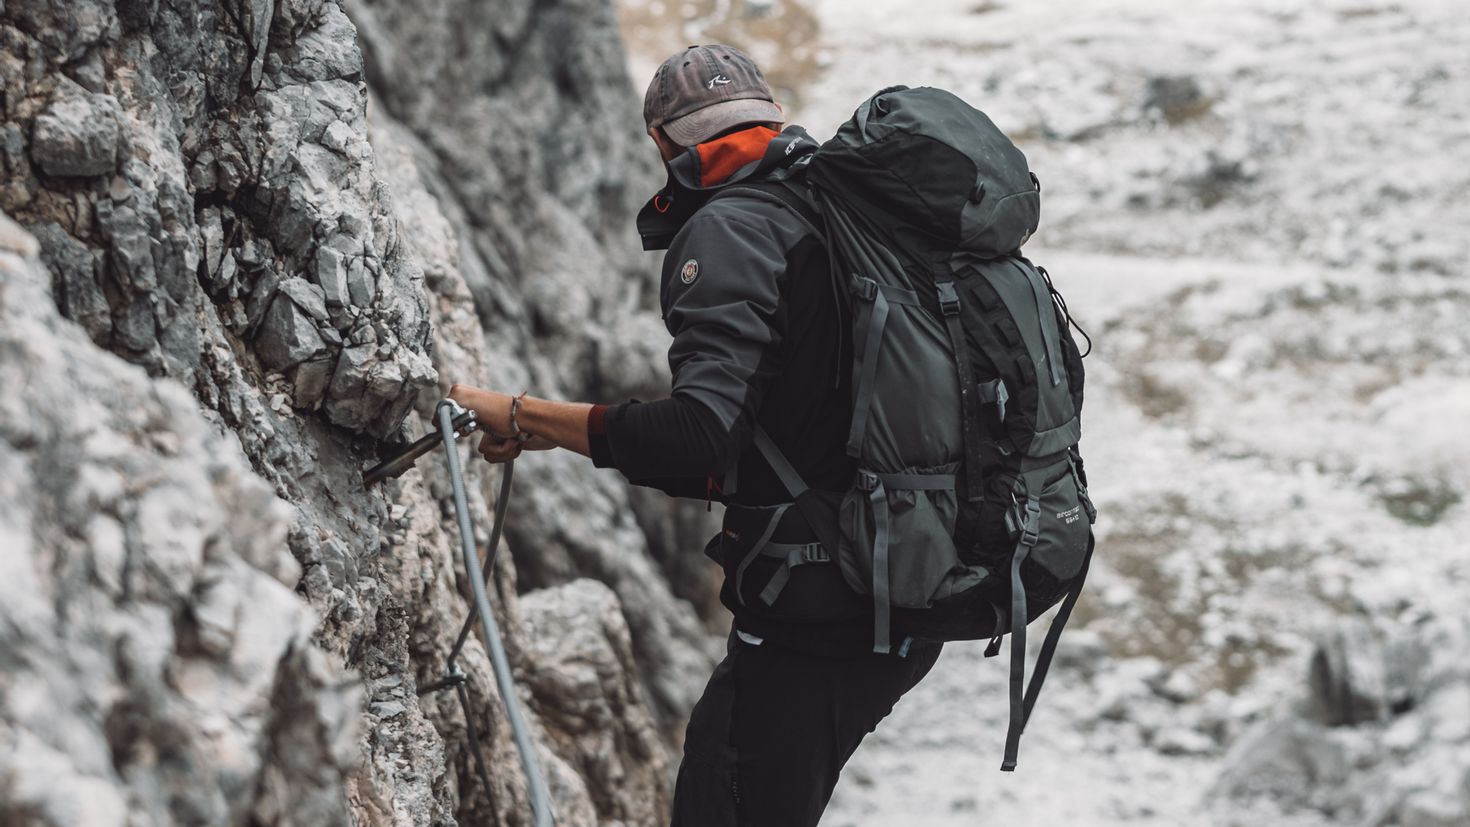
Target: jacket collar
point(701, 171)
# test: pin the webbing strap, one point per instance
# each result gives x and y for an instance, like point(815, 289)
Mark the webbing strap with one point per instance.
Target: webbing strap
point(1054, 634)
point(792, 555)
point(731, 482)
point(993, 647)
point(868, 373)
point(907, 482)
point(867, 288)
point(755, 551)
point(809, 503)
point(1030, 523)
point(878, 497)
point(994, 393)
point(949, 305)
point(877, 486)
point(785, 472)
point(799, 553)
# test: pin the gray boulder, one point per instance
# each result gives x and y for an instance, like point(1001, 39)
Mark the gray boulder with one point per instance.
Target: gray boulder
point(1380, 736)
point(77, 136)
point(287, 336)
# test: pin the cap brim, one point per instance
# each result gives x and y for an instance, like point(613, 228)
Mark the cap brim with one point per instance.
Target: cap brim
point(703, 124)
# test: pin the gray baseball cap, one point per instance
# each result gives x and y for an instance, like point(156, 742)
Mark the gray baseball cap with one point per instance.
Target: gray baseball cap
point(705, 90)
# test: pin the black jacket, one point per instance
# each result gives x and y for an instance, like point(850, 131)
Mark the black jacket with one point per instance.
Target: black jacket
point(758, 335)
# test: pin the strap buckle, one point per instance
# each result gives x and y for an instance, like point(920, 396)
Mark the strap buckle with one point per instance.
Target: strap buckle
point(1025, 520)
point(868, 481)
point(1031, 523)
point(949, 300)
point(1073, 460)
point(865, 288)
point(813, 553)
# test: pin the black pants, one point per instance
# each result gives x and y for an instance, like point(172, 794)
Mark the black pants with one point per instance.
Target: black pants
point(771, 733)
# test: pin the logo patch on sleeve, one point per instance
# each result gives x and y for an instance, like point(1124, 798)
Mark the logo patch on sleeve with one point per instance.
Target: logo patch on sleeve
point(690, 271)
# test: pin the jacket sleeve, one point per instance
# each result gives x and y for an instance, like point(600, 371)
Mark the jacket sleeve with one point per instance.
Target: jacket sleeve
point(721, 300)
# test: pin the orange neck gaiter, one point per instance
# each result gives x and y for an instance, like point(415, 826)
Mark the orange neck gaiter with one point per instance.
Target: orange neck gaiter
point(721, 157)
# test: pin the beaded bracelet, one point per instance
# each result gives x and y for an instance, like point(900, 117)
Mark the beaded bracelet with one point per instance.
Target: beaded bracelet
point(515, 427)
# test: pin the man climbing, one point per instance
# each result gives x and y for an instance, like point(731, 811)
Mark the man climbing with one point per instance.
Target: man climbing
point(759, 339)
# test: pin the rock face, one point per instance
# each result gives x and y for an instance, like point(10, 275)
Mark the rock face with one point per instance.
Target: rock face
point(581, 670)
point(199, 178)
point(517, 181)
point(225, 288)
point(158, 666)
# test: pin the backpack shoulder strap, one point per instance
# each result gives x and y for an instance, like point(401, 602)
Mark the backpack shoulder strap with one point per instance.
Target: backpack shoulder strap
point(794, 484)
point(783, 192)
point(820, 516)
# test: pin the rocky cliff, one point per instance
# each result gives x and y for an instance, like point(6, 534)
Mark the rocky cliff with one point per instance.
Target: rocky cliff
point(252, 243)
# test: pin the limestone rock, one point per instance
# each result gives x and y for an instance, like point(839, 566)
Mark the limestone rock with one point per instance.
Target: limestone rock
point(1347, 676)
point(1175, 98)
point(331, 276)
point(1357, 676)
point(283, 295)
point(306, 296)
point(77, 136)
point(310, 381)
point(147, 605)
point(581, 669)
point(1398, 704)
point(287, 335)
point(216, 161)
point(1296, 763)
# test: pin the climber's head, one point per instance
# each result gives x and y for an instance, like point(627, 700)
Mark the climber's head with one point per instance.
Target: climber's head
point(706, 91)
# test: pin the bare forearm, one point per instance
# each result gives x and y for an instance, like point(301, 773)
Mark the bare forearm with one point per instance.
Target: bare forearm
point(561, 423)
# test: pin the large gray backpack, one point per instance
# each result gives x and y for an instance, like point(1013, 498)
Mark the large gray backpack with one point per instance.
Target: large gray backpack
point(970, 514)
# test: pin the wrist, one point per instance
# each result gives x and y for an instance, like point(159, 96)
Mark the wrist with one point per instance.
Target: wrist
point(516, 430)
point(493, 410)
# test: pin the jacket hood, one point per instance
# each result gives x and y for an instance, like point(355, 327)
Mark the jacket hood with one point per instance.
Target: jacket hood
point(758, 153)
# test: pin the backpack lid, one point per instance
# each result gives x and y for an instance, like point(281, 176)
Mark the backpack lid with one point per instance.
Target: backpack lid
point(925, 160)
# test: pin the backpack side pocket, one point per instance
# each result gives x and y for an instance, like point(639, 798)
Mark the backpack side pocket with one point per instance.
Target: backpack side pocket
point(896, 541)
point(1061, 543)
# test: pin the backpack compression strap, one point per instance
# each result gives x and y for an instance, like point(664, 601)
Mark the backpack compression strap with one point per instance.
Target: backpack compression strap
point(1028, 518)
point(1023, 698)
point(877, 486)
